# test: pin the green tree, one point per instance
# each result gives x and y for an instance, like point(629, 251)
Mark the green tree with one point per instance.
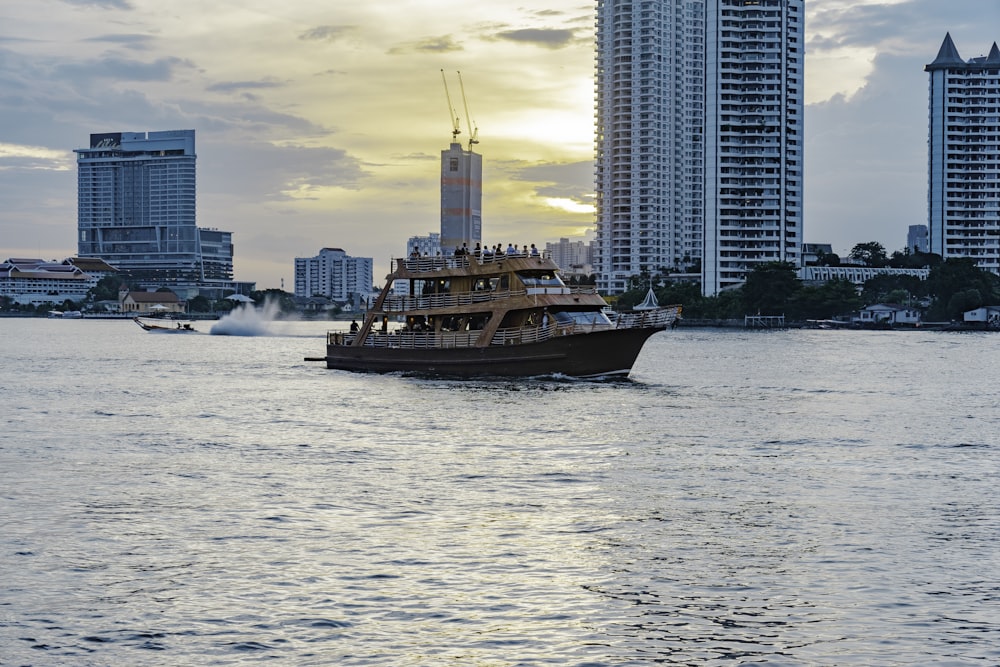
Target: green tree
point(823, 302)
point(199, 304)
point(879, 288)
point(869, 254)
point(768, 288)
point(960, 276)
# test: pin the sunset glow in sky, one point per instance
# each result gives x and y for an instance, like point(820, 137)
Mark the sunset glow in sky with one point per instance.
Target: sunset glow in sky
point(320, 123)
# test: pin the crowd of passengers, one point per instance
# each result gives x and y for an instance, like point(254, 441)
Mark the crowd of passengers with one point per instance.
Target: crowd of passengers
point(487, 253)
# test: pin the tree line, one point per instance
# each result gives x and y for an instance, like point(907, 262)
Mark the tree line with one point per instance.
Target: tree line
point(953, 286)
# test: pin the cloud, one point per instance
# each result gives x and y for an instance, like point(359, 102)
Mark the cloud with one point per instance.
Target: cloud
point(236, 86)
point(101, 4)
point(137, 42)
point(573, 181)
point(121, 69)
point(15, 156)
point(443, 44)
point(327, 33)
point(549, 38)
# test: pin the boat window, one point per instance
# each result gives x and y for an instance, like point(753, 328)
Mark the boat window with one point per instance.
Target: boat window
point(540, 279)
point(436, 286)
point(566, 317)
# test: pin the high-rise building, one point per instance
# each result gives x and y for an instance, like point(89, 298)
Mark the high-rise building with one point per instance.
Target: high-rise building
point(136, 210)
point(333, 274)
point(754, 73)
point(571, 256)
point(916, 238)
point(461, 198)
point(698, 137)
point(964, 156)
point(649, 126)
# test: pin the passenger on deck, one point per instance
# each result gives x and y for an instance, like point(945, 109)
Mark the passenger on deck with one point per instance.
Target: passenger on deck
point(511, 250)
point(354, 326)
point(534, 250)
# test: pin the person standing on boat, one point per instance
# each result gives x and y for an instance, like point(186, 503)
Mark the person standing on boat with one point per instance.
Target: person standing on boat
point(534, 250)
point(511, 250)
point(354, 326)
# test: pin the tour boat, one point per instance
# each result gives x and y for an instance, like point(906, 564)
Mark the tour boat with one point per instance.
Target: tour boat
point(491, 315)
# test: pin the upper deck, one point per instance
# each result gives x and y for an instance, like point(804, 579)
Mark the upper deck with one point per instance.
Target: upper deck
point(442, 266)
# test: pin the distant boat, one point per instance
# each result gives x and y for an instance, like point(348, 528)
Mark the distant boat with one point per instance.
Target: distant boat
point(65, 315)
point(493, 315)
point(162, 327)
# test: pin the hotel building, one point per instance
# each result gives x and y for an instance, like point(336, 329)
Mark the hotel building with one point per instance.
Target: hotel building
point(136, 210)
point(964, 156)
point(698, 137)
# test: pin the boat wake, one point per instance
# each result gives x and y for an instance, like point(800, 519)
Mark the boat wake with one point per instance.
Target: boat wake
point(246, 320)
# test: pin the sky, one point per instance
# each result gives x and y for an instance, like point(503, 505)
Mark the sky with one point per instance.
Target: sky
point(320, 122)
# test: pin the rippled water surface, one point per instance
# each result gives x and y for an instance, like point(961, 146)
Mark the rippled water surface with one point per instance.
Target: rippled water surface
point(783, 498)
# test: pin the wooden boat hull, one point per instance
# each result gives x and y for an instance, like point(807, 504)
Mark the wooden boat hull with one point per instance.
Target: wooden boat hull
point(601, 353)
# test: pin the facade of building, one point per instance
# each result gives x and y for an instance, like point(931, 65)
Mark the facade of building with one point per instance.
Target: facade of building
point(461, 198)
point(649, 169)
point(964, 156)
point(38, 282)
point(573, 257)
point(335, 275)
point(754, 75)
point(699, 137)
point(136, 209)
point(916, 238)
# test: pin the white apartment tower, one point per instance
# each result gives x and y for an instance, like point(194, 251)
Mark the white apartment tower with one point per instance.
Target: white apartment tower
point(649, 119)
point(754, 72)
point(333, 274)
point(964, 156)
point(698, 137)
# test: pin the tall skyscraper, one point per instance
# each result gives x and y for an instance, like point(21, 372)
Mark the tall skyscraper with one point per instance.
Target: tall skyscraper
point(698, 137)
point(964, 156)
point(136, 210)
point(649, 125)
point(461, 198)
point(754, 73)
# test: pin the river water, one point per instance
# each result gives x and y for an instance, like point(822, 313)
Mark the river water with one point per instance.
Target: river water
point(780, 498)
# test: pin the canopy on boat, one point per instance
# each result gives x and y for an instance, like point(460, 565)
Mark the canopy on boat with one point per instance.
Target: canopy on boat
point(650, 302)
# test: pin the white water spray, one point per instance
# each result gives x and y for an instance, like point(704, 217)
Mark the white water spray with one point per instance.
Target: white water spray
point(246, 320)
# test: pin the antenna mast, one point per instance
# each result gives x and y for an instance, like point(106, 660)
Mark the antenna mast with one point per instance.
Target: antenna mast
point(456, 121)
point(469, 123)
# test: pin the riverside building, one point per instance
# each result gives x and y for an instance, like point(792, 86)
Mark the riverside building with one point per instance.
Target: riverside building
point(335, 275)
point(136, 210)
point(964, 156)
point(698, 137)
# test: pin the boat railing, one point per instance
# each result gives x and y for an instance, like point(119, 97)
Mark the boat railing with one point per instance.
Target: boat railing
point(647, 318)
point(440, 262)
point(526, 334)
point(409, 340)
point(405, 303)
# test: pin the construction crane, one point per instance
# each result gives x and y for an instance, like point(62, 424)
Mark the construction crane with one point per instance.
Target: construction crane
point(469, 123)
point(456, 121)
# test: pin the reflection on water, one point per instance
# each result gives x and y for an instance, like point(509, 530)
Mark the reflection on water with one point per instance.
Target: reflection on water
point(822, 498)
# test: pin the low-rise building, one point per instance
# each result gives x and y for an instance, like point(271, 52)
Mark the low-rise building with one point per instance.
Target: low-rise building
point(144, 303)
point(29, 281)
point(882, 314)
